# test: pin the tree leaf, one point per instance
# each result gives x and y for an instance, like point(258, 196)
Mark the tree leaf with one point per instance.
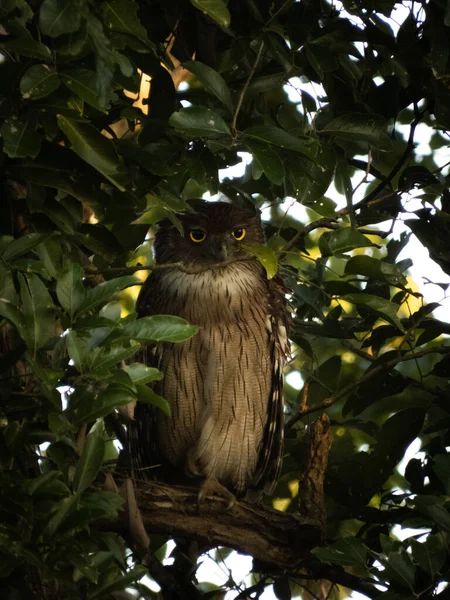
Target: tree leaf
point(69, 288)
point(19, 139)
point(57, 17)
point(384, 308)
point(22, 245)
point(118, 583)
point(95, 406)
point(268, 160)
point(39, 81)
point(37, 308)
point(64, 508)
point(95, 149)
point(8, 310)
point(141, 374)
point(212, 81)
point(375, 269)
point(342, 240)
point(430, 554)
point(147, 396)
point(201, 122)
point(216, 9)
point(402, 568)
point(105, 290)
point(160, 328)
point(90, 462)
point(83, 82)
point(266, 257)
point(441, 466)
point(361, 127)
point(278, 137)
point(27, 47)
point(76, 347)
point(345, 552)
point(122, 16)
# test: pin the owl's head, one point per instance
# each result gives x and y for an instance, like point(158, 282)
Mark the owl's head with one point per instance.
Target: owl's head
point(212, 234)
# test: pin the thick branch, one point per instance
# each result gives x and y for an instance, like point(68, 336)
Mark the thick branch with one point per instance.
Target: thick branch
point(272, 537)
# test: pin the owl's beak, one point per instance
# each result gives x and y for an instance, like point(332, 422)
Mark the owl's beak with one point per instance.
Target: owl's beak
point(219, 248)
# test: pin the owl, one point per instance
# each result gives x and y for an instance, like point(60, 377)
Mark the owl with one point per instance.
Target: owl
point(224, 385)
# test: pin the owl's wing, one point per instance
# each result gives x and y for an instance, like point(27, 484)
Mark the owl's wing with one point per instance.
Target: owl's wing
point(271, 454)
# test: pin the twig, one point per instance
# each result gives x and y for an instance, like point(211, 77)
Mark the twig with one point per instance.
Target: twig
point(244, 89)
point(372, 373)
point(401, 161)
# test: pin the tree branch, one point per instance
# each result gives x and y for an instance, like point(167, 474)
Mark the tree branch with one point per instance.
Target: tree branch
point(369, 375)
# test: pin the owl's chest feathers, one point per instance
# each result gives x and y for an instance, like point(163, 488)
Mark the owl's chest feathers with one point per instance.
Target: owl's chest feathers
point(216, 296)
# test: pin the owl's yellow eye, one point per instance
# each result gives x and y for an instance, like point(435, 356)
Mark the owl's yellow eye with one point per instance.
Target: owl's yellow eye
point(239, 234)
point(197, 235)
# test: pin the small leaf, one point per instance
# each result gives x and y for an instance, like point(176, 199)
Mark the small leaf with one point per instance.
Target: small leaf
point(95, 149)
point(27, 47)
point(384, 308)
point(19, 139)
point(105, 290)
point(63, 510)
point(269, 161)
point(37, 308)
point(39, 81)
point(361, 127)
point(90, 462)
point(83, 83)
point(69, 288)
point(95, 406)
point(118, 583)
point(430, 555)
point(342, 240)
point(212, 81)
point(147, 396)
point(76, 347)
point(9, 311)
point(266, 257)
point(160, 328)
point(197, 121)
point(122, 16)
point(22, 245)
point(344, 552)
point(278, 137)
point(216, 9)
point(375, 269)
point(57, 17)
point(141, 374)
point(402, 568)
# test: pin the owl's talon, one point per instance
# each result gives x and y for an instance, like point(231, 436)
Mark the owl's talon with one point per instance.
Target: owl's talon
point(211, 487)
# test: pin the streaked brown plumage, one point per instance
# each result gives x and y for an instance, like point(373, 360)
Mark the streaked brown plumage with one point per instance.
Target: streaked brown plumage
point(224, 385)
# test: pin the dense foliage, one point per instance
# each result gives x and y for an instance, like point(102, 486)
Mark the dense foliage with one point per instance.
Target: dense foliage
point(85, 170)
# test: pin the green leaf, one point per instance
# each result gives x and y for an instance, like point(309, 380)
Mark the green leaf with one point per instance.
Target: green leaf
point(342, 240)
point(64, 509)
point(278, 137)
point(311, 179)
point(101, 359)
point(384, 308)
point(430, 555)
point(118, 583)
point(201, 122)
point(361, 127)
point(95, 406)
point(83, 83)
point(95, 149)
point(268, 160)
point(266, 257)
point(57, 17)
point(37, 308)
point(441, 466)
point(216, 9)
point(212, 81)
point(22, 245)
point(90, 462)
point(69, 288)
point(402, 568)
point(76, 347)
point(160, 328)
point(19, 139)
point(141, 374)
point(147, 396)
point(345, 552)
point(27, 47)
point(105, 290)
point(375, 269)
point(9, 311)
point(39, 81)
point(122, 16)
